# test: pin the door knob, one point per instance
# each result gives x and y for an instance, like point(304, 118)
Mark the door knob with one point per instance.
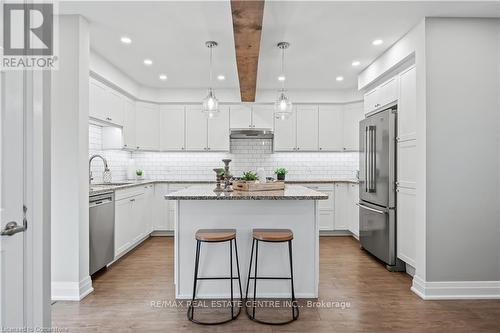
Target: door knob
point(12, 228)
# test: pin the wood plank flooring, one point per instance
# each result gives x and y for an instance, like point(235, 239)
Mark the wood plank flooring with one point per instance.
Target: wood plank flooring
point(378, 301)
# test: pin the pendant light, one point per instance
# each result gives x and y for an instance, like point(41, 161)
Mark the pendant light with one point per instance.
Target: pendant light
point(210, 103)
point(283, 105)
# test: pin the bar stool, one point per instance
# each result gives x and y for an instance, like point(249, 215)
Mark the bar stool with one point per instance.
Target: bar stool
point(216, 236)
point(271, 236)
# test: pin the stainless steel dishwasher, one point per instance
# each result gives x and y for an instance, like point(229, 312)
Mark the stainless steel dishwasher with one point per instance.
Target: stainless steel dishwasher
point(102, 231)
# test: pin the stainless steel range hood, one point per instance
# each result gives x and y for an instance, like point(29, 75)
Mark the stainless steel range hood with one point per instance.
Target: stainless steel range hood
point(254, 133)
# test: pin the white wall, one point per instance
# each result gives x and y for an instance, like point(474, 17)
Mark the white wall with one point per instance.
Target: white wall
point(70, 228)
point(463, 105)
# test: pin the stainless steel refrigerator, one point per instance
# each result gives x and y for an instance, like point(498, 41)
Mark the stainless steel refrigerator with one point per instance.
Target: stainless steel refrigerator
point(377, 186)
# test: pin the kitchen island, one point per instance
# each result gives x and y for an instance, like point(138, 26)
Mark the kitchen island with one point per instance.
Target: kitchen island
point(295, 208)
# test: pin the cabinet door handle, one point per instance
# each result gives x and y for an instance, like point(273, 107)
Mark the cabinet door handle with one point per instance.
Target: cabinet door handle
point(132, 200)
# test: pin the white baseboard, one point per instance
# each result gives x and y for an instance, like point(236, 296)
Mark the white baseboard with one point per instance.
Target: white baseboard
point(71, 291)
point(446, 290)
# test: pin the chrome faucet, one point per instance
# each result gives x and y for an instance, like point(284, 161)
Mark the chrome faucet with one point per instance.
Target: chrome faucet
point(90, 162)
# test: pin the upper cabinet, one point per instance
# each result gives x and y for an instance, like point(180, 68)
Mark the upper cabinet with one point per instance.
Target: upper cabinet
point(129, 125)
point(382, 95)
point(105, 104)
point(203, 134)
point(352, 115)
point(407, 105)
point(218, 131)
point(257, 116)
point(147, 126)
point(331, 127)
point(262, 116)
point(285, 133)
point(241, 116)
point(307, 128)
point(172, 127)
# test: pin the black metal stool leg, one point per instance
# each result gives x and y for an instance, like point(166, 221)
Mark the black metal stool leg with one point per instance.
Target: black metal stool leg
point(255, 278)
point(231, 275)
point(238, 270)
point(295, 315)
point(190, 313)
point(249, 271)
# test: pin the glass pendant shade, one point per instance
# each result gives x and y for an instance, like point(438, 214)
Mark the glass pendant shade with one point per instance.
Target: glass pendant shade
point(282, 106)
point(210, 104)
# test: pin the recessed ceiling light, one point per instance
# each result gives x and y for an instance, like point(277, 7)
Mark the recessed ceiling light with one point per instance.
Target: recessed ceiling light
point(163, 77)
point(356, 63)
point(126, 40)
point(281, 78)
point(221, 77)
point(339, 78)
point(377, 42)
point(148, 62)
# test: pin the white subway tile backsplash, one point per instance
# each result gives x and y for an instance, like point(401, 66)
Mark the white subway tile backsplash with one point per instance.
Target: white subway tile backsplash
point(246, 155)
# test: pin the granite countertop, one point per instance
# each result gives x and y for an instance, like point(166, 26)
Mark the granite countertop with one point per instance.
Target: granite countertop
point(206, 192)
point(96, 189)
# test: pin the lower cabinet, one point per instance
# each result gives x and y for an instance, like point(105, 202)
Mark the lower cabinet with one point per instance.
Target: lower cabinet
point(165, 209)
point(353, 215)
point(341, 206)
point(133, 217)
point(406, 224)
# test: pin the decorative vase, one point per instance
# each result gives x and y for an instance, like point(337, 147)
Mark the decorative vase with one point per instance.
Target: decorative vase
point(280, 177)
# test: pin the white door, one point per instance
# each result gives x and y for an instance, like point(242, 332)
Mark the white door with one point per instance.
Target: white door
point(285, 134)
point(341, 207)
point(407, 105)
point(129, 125)
point(241, 116)
point(262, 116)
point(330, 128)
point(147, 126)
point(352, 115)
point(307, 128)
point(116, 107)
point(218, 131)
point(97, 100)
point(12, 180)
point(196, 129)
point(172, 128)
point(123, 209)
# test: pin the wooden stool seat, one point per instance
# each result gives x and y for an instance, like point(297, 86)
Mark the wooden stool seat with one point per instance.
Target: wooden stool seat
point(215, 235)
point(272, 235)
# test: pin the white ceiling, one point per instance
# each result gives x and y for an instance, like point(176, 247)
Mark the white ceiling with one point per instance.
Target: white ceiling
point(325, 37)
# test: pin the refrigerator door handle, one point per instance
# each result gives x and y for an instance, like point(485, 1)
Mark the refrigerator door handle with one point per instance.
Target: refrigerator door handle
point(371, 209)
point(370, 152)
point(373, 166)
point(367, 167)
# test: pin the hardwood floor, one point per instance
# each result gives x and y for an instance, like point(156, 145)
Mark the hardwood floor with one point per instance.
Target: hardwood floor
point(378, 301)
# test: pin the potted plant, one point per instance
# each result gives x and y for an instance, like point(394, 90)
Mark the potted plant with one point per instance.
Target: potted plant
point(280, 173)
point(139, 173)
point(250, 176)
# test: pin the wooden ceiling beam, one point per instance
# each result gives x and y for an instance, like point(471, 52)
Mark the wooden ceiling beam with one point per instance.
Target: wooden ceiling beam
point(247, 28)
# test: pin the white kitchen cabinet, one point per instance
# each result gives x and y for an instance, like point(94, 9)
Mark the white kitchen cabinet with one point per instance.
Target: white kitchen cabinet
point(123, 220)
point(116, 107)
point(149, 207)
point(406, 225)
point(285, 133)
point(172, 128)
point(407, 163)
point(326, 215)
point(331, 127)
point(382, 95)
point(97, 100)
point(147, 126)
point(341, 206)
point(128, 130)
point(241, 116)
point(105, 103)
point(307, 128)
point(407, 105)
point(218, 131)
point(262, 116)
point(353, 213)
point(352, 115)
point(138, 227)
point(196, 129)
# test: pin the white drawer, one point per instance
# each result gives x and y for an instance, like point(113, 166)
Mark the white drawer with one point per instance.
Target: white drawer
point(129, 192)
